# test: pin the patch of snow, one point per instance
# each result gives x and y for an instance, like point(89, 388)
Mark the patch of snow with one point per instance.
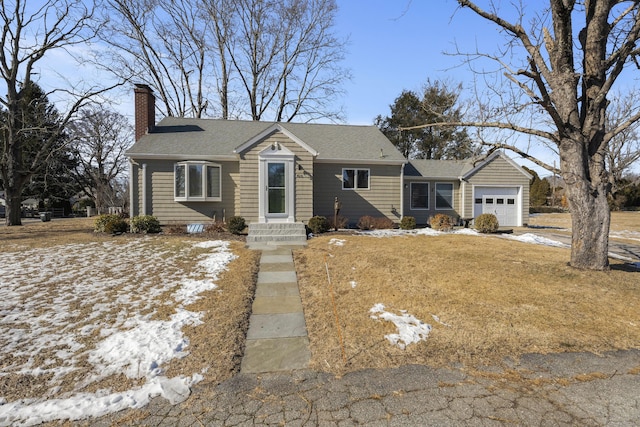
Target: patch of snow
point(337, 242)
point(626, 234)
point(410, 329)
point(84, 405)
point(535, 239)
point(46, 293)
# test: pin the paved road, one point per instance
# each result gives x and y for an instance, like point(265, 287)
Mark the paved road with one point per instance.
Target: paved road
point(616, 246)
point(555, 390)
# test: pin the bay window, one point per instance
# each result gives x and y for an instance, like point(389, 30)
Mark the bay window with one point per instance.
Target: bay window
point(197, 181)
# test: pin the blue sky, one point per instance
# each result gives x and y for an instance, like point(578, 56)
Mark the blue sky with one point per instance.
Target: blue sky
point(396, 45)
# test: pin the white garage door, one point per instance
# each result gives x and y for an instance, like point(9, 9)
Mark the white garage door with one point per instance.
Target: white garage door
point(503, 202)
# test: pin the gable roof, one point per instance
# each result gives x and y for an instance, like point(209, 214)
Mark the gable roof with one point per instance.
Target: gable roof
point(182, 138)
point(455, 169)
point(489, 159)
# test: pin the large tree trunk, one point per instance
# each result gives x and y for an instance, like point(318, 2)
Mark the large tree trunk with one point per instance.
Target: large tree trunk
point(13, 209)
point(586, 188)
point(590, 219)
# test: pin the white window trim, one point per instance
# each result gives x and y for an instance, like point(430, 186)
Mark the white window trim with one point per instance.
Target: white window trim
point(411, 196)
point(435, 196)
point(355, 176)
point(203, 198)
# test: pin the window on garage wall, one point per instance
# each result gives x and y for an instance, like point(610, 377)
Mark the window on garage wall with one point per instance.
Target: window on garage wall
point(444, 195)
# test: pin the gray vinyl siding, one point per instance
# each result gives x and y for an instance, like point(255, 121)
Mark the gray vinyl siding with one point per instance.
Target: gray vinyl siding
point(249, 173)
point(497, 173)
point(381, 199)
point(160, 182)
point(422, 216)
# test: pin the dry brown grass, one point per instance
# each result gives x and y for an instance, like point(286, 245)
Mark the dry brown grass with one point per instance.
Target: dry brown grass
point(215, 346)
point(620, 221)
point(500, 297)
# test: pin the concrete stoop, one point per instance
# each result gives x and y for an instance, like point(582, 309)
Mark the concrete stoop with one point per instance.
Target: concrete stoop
point(277, 234)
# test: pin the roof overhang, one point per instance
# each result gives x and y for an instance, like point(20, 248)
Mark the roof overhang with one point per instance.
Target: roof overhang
point(363, 161)
point(276, 127)
point(179, 157)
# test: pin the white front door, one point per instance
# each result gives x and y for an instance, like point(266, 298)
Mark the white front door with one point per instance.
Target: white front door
point(276, 185)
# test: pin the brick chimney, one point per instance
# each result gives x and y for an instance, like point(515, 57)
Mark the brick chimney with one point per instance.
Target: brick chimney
point(145, 110)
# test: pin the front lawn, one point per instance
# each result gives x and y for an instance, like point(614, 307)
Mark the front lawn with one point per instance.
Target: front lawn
point(485, 297)
point(93, 323)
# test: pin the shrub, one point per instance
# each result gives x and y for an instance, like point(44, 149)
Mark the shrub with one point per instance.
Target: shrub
point(441, 222)
point(370, 223)
point(408, 223)
point(365, 222)
point(486, 223)
point(215, 227)
point(340, 222)
point(318, 224)
point(236, 225)
point(383, 223)
point(175, 228)
point(145, 224)
point(110, 223)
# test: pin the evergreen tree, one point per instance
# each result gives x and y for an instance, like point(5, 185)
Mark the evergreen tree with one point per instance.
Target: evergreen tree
point(539, 189)
point(438, 104)
point(40, 174)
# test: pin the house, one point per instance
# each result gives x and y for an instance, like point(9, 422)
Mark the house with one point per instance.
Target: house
point(195, 170)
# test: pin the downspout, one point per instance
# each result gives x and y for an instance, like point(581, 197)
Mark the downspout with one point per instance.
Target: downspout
point(144, 189)
point(131, 198)
point(402, 191)
point(463, 188)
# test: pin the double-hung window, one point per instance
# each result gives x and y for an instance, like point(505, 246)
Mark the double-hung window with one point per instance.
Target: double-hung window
point(197, 181)
point(353, 179)
point(419, 195)
point(444, 195)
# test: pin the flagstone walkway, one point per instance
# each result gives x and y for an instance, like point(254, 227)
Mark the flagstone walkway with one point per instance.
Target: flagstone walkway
point(277, 337)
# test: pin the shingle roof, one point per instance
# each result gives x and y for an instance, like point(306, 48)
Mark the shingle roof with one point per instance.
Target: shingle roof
point(450, 169)
point(219, 138)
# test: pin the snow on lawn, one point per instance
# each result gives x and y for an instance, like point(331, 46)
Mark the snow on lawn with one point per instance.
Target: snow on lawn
point(417, 232)
point(626, 234)
point(410, 329)
point(337, 242)
point(535, 239)
point(525, 238)
point(72, 305)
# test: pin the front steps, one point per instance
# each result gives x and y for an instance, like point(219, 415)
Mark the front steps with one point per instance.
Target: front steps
point(276, 234)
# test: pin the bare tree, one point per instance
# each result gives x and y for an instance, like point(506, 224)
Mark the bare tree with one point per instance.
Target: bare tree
point(101, 138)
point(230, 58)
point(160, 43)
point(556, 90)
point(623, 151)
point(30, 32)
point(287, 58)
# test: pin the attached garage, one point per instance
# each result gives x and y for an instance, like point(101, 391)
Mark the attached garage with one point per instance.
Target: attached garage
point(503, 202)
point(464, 189)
